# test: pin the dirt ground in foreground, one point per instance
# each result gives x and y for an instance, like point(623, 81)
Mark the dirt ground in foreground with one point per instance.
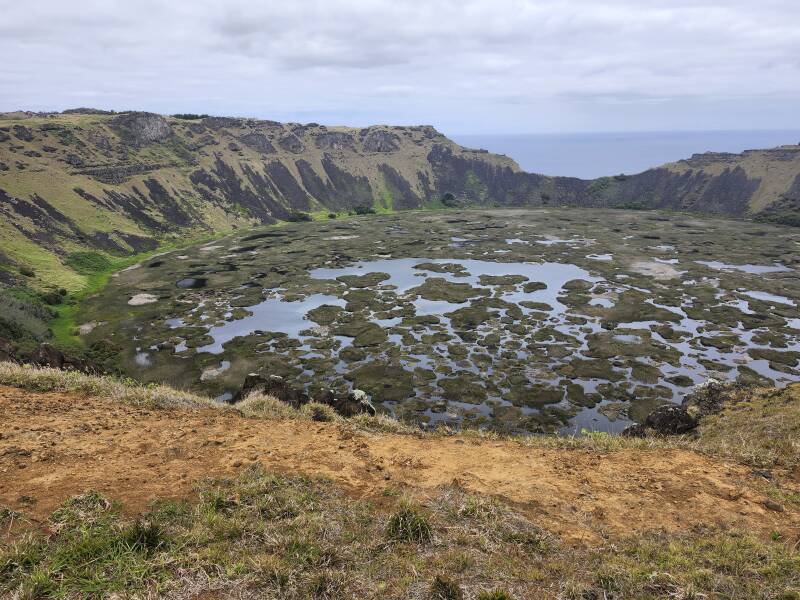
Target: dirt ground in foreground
point(53, 446)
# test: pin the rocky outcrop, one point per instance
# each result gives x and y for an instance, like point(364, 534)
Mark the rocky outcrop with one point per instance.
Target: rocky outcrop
point(334, 140)
point(712, 396)
point(259, 142)
point(665, 420)
point(46, 355)
point(706, 399)
point(141, 128)
point(291, 143)
point(380, 141)
point(346, 404)
point(222, 122)
point(272, 385)
point(113, 174)
point(352, 403)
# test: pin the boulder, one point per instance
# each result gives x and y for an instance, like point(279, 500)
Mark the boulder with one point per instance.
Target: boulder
point(48, 356)
point(670, 419)
point(82, 365)
point(359, 401)
point(348, 404)
point(324, 396)
point(273, 385)
point(351, 404)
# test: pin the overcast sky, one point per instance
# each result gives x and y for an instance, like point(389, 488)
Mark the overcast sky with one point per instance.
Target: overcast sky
point(465, 66)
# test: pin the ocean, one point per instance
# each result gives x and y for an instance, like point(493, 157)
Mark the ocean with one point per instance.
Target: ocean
point(590, 155)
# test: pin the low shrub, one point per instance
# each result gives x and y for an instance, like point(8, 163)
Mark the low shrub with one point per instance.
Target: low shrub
point(299, 217)
point(449, 200)
point(364, 209)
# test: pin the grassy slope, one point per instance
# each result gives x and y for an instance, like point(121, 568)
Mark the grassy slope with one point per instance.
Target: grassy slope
point(264, 535)
point(49, 176)
point(775, 176)
point(55, 182)
point(267, 536)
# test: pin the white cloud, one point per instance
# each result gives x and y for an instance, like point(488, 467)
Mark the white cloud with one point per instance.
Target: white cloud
point(470, 65)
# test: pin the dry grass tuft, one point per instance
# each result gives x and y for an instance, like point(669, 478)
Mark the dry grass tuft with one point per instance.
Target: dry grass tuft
point(264, 406)
point(319, 412)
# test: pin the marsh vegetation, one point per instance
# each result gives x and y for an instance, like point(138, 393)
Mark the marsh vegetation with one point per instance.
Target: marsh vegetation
point(519, 320)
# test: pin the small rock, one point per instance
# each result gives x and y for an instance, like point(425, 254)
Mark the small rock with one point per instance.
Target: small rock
point(141, 299)
point(772, 505)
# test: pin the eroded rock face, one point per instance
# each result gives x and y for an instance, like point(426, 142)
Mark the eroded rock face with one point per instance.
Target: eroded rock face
point(334, 140)
point(381, 141)
point(222, 122)
point(291, 143)
point(47, 356)
point(258, 141)
point(141, 128)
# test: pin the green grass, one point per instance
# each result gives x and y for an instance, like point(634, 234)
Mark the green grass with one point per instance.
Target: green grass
point(98, 269)
point(289, 537)
point(88, 263)
point(409, 524)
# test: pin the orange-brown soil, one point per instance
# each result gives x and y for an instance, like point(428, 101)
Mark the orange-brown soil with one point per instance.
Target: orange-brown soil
point(53, 446)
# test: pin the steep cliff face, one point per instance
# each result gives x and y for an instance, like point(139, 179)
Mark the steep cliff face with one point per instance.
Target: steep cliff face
point(119, 183)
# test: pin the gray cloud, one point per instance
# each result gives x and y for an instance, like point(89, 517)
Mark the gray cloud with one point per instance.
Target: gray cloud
point(469, 65)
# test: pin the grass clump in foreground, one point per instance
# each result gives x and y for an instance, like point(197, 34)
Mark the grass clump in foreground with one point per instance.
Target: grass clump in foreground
point(409, 524)
point(264, 535)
